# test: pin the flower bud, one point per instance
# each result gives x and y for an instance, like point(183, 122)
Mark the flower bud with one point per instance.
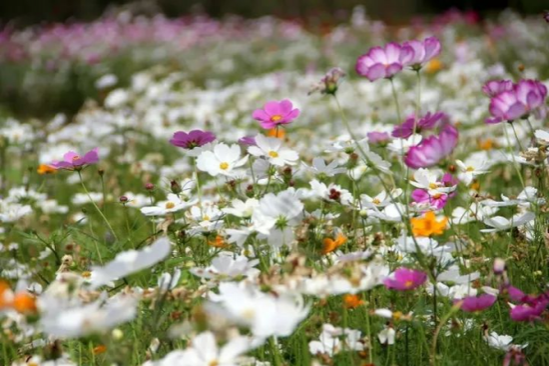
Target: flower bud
point(123, 199)
point(175, 187)
point(149, 186)
point(499, 266)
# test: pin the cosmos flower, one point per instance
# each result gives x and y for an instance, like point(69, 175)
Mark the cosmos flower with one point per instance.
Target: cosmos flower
point(73, 161)
point(405, 279)
point(276, 113)
point(333, 340)
point(380, 62)
point(436, 201)
point(271, 148)
point(329, 83)
point(433, 149)
point(223, 160)
point(527, 96)
point(329, 244)
point(495, 87)
point(417, 53)
point(473, 304)
point(193, 139)
point(426, 122)
point(380, 138)
point(428, 225)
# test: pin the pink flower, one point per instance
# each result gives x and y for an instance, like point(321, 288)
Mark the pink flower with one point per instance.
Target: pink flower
point(189, 141)
point(527, 96)
point(380, 62)
point(405, 279)
point(73, 161)
point(428, 121)
point(527, 312)
point(375, 137)
point(495, 87)
point(473, 304)
point(276, 113)
point(433, 149)
point(436, 201)
point(418, 53)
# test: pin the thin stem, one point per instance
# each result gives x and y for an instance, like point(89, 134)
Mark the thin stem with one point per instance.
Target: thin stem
point(95, 205)
point(395, 97)
point(515, 164)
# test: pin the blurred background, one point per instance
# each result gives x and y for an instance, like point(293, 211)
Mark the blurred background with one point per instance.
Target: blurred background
point(57, 54)
point(25, 12)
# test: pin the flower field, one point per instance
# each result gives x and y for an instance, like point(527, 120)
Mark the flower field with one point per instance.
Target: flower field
point(199, 192)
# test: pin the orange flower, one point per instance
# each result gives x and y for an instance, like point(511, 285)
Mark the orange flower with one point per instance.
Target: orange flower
point(99, 349)
point(487, 144)
point(433, 66)
point(330, 244)
point(218, 242)
point(352, 301)
point(45, 169)
point(24, 303)
point(5, 295)
point(428, 225)
point(273, 133)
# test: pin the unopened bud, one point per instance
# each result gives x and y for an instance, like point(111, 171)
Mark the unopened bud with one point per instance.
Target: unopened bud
point(123, 199)
point(149, 186)
point(499, 266)
point(175, 187)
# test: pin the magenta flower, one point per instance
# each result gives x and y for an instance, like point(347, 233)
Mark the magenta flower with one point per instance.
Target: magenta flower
point(378, 137)
point(276, 113)
point(516, 356)
point(436, 201)
point(527, 312)
point(527, 96)
point(380, 62)
point(428, 121)
point(432, 149)
point(189, 141)
point(405, 279)
point(418, 53)
point(73, 161)
point(495, 87)
point(247, 140)
point(473, 304)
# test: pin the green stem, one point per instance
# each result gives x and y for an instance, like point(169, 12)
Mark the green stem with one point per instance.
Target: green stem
point(96, 207)
point(276, 353)
point(395, 97)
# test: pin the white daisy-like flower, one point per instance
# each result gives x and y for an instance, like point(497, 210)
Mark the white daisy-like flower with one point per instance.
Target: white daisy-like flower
point(271, 148)
point(223, 160)
point(173, 204)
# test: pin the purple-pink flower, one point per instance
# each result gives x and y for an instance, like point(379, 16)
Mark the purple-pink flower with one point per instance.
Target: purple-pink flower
point(73, 161)
point(428, 121)
point(404, 279)
point(436, 201)
point(195, 138)
point(376, 137)
point(276, 113)
point(247, 140)
point(432, 149)
point(380, 62)
point(418, 53)
point(528, 312)
point(473, 304)
point(527, 96)
point(495, 87)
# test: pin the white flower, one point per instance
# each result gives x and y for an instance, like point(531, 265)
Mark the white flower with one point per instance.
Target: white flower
point(265, 314)
point(130, 261)
point(271, 148)
point(475, 212)
point(470, 169)
point(11, 212)
point(429, 180)
point(542, 136)
point(319, 167)
point(333, 340)
point(52, 206)
point(527, 196)
point(224, 160)
point(242, 209)
point(204, 351)
point(280, 209)
point(501, 341)
point(106, 81)
point(82, 198)
point(499, 223)
point(332, 192)
point(387, 336)
point(173, 204)
point(401, 146)
point(227, 265)
point(381, 200)
point(392, 213)
point(136, 200)
point(62, 321)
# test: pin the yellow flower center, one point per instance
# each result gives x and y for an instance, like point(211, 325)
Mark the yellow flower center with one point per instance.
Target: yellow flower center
point(213, 363)
point(397, 315)
point(408, 284)
point(437, 196)
point(224, 166)
point(206, 218)
point(170, 205)
point(470, 169)
point(433, 185)
point(273, 154)
point(376, 201)
point(276, 118)
point(86, 274)
point(75, 157)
